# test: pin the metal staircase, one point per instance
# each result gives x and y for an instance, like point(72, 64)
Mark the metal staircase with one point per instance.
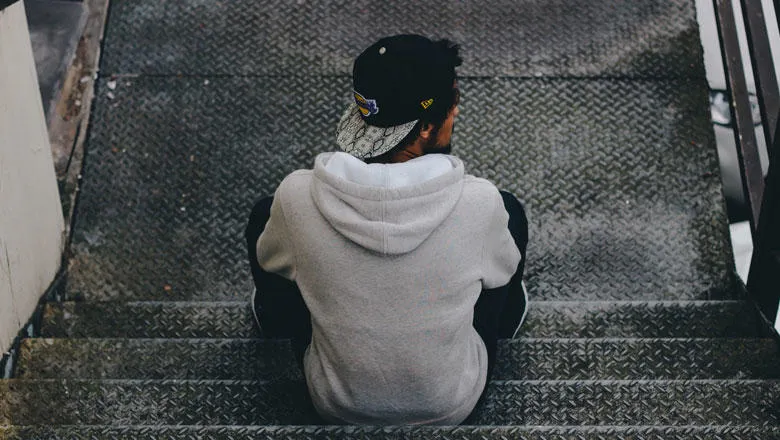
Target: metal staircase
point(595, 113)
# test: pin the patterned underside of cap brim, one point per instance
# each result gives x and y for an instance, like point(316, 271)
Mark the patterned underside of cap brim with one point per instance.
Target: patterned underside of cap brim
point(361, 140)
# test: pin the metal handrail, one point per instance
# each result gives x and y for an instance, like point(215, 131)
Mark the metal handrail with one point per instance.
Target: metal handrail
point(764, 276)
point(763, 67)
point(762, 196)
point(747, 147)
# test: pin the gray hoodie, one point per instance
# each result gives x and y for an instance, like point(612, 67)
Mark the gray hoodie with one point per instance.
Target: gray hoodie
point(390, 260)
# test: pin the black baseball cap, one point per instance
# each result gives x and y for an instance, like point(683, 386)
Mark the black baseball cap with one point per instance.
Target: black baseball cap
point(396, 81)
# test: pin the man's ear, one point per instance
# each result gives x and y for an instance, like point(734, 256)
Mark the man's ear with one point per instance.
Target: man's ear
point(426, 131)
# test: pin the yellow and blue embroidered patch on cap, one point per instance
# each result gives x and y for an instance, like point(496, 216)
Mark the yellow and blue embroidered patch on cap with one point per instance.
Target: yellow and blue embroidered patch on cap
point(366, 106)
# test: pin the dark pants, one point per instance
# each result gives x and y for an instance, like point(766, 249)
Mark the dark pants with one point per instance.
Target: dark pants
point(283, 314)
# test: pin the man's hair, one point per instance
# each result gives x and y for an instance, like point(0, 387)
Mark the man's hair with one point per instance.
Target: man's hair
point(438, 113)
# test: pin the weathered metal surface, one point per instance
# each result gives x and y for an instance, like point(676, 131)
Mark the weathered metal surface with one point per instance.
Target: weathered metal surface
point(391, 433)
point(619, 179)
point(763, 68)
point(169, 319)
point(546, 319)
point(666, 319)
point(654, 38)
point(555, 403)
point(228, 359)
point(548, 359)
point(521, 359)
point(747, 147)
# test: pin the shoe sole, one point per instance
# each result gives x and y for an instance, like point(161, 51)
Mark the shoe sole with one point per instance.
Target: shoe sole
point(525, 311)
point(254, 311)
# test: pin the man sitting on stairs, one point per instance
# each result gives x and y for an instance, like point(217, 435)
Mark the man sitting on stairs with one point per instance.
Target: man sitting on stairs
point(392, 270)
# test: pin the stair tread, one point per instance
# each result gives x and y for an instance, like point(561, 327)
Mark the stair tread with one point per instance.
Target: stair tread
point(243, 359)
point(612, 154)
point(654, 38)
point(550, 403)
point(604, 224)
point(395, 433)
point(545, 319)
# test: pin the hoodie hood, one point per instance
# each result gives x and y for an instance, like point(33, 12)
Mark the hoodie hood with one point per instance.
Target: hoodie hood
point(386, 208)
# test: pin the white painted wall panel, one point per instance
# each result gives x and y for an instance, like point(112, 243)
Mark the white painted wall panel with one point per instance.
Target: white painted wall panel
point(31, 221)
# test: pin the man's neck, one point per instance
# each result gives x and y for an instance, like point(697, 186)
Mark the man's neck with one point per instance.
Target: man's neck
point(406, 154)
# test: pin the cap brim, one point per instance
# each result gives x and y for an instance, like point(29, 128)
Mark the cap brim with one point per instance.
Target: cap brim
point(361, 140)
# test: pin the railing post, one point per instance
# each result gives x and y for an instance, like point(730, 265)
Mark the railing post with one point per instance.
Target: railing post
point(747, 148)
point(763, 68)
point(762, 195)
point(764, 277)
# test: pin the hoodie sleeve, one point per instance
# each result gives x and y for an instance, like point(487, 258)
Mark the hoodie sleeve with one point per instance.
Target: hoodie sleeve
point(500, 255)
point(275, 250)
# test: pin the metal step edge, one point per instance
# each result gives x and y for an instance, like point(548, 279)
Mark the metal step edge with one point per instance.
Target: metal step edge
point(550, 403)
point(519, 359)
point(496, 382)
point(565, 318)
point(233, 432)
point(55, 339)
point(356, 428)
point(542, 303)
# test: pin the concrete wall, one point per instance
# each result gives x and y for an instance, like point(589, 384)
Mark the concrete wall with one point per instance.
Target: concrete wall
point(31, 222)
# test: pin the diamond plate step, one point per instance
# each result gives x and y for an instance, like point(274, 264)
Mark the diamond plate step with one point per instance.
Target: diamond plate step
point(604, 223)
point(391, 433)
point(499, 37)
point(522, 359)
point(564, 359)
point(559, 403)
point(229, 359)
point(546, 319)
